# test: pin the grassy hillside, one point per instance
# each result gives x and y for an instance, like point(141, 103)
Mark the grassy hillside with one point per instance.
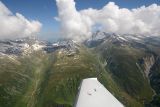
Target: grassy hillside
point(20, 79)
point(122, 65)
point(63, 80)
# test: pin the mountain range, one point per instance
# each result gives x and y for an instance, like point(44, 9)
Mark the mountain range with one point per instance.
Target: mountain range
point(36, 73)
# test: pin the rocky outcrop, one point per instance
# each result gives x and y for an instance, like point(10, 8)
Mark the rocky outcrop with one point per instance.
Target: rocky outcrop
point(148, 63)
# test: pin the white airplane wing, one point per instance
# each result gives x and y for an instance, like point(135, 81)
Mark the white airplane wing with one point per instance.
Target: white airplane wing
point(93, 94)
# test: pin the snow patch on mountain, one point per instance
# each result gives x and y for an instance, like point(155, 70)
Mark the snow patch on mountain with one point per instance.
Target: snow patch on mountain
point(120, 39)
point(19, 46)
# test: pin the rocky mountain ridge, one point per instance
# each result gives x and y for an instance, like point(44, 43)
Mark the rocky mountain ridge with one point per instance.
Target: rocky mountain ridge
point(26, 46)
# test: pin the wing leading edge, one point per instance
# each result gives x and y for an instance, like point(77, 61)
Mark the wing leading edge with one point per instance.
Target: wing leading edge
point(93, 94)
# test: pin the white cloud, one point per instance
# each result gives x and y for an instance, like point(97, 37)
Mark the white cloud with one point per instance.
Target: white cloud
point(13, 26)
point(72, 22)
point(78, 24)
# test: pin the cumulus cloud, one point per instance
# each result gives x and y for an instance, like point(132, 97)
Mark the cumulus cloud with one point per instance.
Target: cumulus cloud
point(13, 26)
point(73, 23)
point(110, 18)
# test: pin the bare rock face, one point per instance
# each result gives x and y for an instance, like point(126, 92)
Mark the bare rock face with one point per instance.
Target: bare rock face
point(148, 63)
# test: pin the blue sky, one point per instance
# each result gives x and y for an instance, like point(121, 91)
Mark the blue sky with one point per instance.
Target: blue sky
point(45, 10)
